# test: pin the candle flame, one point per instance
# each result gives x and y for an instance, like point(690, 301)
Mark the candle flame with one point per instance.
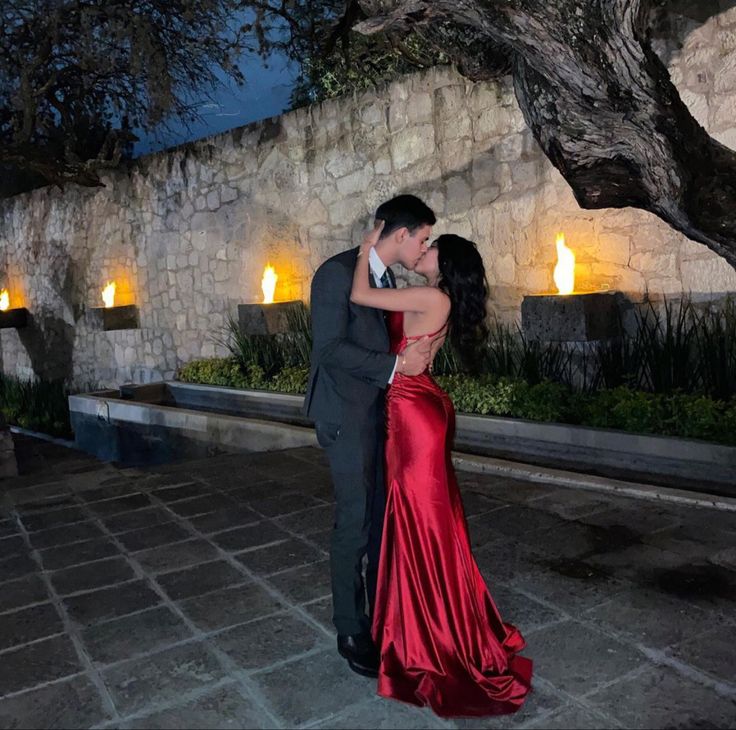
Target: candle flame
point(108, 294)
point(564, 274)
point(4, 300)
point(268, 283)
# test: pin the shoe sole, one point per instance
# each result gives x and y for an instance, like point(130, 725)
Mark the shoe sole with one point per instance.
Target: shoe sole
point(372, 673)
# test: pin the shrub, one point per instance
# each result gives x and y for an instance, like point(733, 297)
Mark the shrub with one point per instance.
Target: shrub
point(38, 405)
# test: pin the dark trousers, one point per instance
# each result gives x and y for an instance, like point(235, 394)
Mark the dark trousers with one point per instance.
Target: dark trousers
point(355, 452)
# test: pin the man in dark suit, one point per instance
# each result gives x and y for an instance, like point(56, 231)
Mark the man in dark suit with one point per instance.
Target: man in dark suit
point(350, 369)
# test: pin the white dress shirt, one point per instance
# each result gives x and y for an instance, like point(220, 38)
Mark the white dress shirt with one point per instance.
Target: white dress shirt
point(378, 269)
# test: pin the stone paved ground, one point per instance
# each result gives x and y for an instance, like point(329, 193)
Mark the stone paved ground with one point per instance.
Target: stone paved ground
point(196, 595)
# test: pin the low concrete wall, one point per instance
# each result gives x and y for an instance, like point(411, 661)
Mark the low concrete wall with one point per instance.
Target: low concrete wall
point(251, 420)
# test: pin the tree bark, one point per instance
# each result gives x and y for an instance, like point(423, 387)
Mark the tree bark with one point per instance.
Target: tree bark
point(597, 99)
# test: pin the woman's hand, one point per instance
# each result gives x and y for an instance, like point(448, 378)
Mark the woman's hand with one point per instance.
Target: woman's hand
point(371, 238)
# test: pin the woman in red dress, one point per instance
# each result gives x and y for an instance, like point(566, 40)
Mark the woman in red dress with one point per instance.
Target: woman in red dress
point(441, 639)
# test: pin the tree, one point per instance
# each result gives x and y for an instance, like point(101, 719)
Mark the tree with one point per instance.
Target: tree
point(79, 76)
point(597, 98)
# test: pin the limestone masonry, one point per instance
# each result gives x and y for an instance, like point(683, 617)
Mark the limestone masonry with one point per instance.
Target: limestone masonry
point(186, 233)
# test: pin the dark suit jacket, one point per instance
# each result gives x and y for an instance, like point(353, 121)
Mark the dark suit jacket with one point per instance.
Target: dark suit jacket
point(351, 363)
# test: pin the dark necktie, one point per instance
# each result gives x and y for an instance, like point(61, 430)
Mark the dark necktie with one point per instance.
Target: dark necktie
point(386, 282)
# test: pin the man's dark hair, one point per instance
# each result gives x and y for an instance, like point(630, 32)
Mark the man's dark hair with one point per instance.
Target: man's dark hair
point(404, 211)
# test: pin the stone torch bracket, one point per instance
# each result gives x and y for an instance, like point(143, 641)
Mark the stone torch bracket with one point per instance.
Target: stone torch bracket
point(117, 318)
point(16, 318)
point(572, 317)
point(267, 319)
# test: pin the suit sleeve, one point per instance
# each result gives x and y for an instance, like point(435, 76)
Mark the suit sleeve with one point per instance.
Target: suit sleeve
point(330, 302)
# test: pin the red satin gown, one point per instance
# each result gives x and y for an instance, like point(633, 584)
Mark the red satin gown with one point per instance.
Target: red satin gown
point(442, 641)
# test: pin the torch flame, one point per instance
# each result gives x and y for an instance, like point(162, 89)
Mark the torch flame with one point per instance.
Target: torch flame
point(108, 294)
point(4, 300)
point(564, 274)
point(268, 283)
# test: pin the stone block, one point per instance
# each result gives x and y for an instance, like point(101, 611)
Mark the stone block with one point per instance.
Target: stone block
point(14, 318)
point(571, 318)
point(267, 319)
point(117, 318)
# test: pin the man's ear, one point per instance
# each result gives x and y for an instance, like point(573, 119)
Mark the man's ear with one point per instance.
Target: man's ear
point(401, 234)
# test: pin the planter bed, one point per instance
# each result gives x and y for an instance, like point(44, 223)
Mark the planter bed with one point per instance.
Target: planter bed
point(165, 421)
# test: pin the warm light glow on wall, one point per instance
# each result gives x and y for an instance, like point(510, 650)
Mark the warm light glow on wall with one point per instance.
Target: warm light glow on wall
point(564, 273)
point(108, 294)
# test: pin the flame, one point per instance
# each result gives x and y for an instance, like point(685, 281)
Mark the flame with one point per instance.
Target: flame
point(268, 283)
point(4, 300)
point(564, 274)
point(108, 294)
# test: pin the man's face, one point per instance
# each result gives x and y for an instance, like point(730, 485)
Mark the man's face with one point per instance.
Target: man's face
point(414, 246)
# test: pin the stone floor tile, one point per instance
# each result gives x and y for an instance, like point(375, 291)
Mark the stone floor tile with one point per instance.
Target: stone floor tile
point(522, 611)
point(199, 579)
point(8, 528)
point(154, 536)
point(250, 536)
point(138, 633)
point(651, 618)
point(16, 566)
point(65, 535)
point(106, 603)
point(181, 491)
point(202, 505)
point(71, 703)
point(162, 677)
point(712, 652)
point(640, 515)
point(482, 532)
point(224, 519)
point(79, 552)
point(476, 504)
point(279, 465)
point(636, 563)
point(117, 488)
point(305, 583)
point(53, 518)
point(129, 503)
point(254, 491)
point(505, 489)
point(321, 540)
point(284, 504)
point(44, 504)
point(230, 606)
point(659, 697)
point(91, 575)
point(313, 688)
point(22, 592)
point(523, 523)
point(505, 561)
point(268, 640)
point(283, 555)
point(382, 714)
point(569, 584)
point(224, 707)
point(177, 555)
point(137, 520)
point(572, 504)
point(42, 661)
point(14, 545)
point(309, 521)
point(29, 624)
point(572, 717)
point(577, 659)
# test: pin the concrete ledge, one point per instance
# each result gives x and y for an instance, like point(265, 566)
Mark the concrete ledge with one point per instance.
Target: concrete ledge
point(560, 478)
point(672, 462)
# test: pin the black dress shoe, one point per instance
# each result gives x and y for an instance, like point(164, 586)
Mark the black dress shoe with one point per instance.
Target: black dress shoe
point(361, 653)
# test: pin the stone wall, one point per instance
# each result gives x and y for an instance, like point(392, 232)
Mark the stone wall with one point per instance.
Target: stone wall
point(186, 233)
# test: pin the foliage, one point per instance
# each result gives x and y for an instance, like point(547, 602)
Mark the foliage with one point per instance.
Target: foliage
point(38, 405)
point(78, 76)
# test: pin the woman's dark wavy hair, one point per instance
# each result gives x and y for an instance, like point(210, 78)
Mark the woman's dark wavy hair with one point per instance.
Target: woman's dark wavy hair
point(463, 279)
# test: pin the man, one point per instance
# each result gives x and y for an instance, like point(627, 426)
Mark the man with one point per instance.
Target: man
point(350, 370)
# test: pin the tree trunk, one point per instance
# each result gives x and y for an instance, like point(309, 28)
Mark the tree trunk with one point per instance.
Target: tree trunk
point(598, 100)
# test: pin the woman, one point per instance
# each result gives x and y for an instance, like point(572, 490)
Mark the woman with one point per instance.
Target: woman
point(442, 641)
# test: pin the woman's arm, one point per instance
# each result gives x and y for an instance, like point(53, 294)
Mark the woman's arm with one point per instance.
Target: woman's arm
point(410, 299)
